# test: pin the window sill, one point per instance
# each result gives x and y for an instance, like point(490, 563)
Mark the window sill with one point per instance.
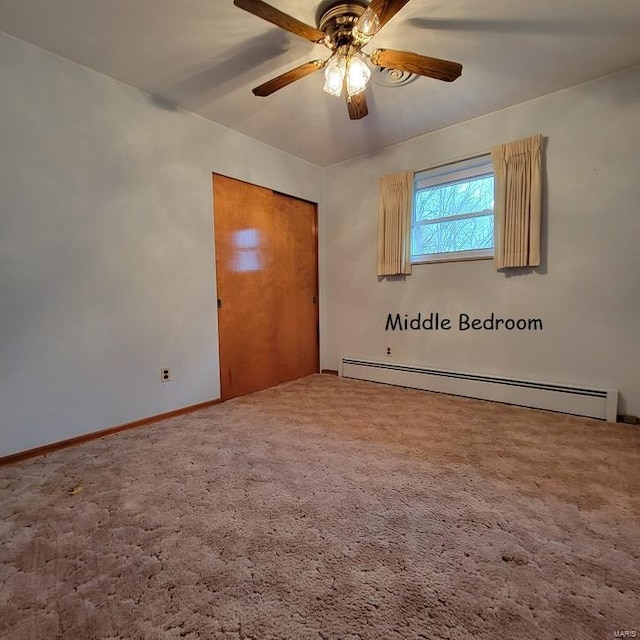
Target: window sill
point(457, 256)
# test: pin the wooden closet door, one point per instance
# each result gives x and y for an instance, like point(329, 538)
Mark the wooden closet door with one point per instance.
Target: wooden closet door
point(267, 278)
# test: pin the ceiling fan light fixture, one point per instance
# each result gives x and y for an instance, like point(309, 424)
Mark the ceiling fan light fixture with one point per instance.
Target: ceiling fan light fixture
point(358, 74)
point(345, 27)
point(334, 75)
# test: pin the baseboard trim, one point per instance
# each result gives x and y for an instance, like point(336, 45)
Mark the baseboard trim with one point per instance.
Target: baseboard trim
point(63, 444)
point(331, 372)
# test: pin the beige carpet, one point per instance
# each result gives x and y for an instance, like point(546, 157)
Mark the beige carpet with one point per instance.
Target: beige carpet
point(328, 509)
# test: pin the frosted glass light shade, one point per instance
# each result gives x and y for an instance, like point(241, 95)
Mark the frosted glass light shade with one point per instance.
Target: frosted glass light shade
point(334, 75)
point(358, 74)
point(369, 23)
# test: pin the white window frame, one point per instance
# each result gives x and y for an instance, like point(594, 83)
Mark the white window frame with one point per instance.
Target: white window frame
point(459, 171)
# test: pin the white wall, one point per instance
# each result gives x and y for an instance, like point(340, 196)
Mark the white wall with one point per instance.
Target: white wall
point(588, 290)
point(106, 247)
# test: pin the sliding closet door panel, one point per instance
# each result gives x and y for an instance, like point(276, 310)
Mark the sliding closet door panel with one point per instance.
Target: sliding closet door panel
point(297, 287)
point(246, 298)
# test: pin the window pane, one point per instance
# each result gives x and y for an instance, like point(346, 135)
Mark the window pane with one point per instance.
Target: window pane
point(457, 198)
point(453, 235)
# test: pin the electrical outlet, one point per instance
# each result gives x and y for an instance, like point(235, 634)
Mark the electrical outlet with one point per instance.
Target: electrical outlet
point(165, 375)
point(388, 351)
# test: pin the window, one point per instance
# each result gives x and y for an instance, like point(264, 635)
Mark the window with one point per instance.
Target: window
point(453, 212)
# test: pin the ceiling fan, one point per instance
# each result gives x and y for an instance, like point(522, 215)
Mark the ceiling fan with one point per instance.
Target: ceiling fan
point(345, 28)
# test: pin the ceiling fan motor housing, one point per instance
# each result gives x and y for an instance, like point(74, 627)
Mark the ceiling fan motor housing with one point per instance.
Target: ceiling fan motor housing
point(337, 19)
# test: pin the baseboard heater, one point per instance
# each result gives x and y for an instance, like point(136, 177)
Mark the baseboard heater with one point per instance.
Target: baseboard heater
point(581, 401)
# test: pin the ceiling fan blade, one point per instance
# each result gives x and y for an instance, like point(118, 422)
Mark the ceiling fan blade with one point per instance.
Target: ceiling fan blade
point(288, 77)
point(357, 106)
point(377, 14)
point(280, 19)
point(414, 63)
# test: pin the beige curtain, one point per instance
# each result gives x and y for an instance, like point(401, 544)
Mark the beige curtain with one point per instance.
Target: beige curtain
point(394, 224)
point(518, 202)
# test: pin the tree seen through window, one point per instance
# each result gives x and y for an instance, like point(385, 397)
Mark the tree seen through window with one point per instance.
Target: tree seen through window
point(452, 217)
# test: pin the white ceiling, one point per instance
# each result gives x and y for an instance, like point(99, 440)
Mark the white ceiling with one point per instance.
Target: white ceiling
point(207, 55)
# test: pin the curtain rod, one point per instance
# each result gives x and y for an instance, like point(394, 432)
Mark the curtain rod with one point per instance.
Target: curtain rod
point(454, 161)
